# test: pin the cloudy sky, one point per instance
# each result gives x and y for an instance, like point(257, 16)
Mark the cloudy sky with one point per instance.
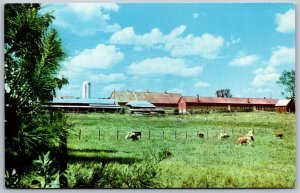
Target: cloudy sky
point(187, 48)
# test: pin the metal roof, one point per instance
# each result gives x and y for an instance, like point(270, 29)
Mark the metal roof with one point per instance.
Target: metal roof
point(93, 102)
point(143, 104)
point(283, 103)
point(233, 100)
point(152, 97)
point(83, 107)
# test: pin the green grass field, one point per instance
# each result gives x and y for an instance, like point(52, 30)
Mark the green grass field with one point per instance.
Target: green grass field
point(194, 163)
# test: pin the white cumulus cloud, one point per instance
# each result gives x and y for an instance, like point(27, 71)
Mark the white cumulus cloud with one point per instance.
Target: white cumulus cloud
point(84, 18)
point(282, 55)
point(244, 60)
point(265, 76)
point(206, 46)
point(101, 57)
point(89, 10)
point(285, 22)
point(163, 66)
point(201, 84)
point(127, 36)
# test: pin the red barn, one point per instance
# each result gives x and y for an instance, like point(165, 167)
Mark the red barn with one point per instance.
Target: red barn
point(198, 103)
point(283, 106)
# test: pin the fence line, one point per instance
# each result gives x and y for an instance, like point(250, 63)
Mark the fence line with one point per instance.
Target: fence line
point(212, 134)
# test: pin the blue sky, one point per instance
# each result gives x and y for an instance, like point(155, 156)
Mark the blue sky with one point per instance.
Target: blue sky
point(191, 48)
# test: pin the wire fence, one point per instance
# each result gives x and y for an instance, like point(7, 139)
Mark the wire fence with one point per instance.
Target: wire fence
point(162, 134)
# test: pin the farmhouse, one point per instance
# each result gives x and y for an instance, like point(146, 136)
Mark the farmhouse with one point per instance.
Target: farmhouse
point(84, 105)
point(163, 99)
point(143, 107)
point(283, 106)
point(198, 103)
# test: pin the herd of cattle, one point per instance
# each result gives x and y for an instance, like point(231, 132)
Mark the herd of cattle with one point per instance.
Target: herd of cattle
point(243, 140)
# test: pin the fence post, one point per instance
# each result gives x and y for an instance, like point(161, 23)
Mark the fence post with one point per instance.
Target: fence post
point(207, 134)
point(163, 134)
point(175, 134)
point(232, 131)
point(79, 134)
point(117, 135)
point(186, 135)
point(149, 135)
point(99, 134)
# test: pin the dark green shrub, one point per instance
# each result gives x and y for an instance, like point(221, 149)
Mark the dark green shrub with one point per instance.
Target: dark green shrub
point(11, 179)
point(84, 175)
point(114, 175)
point(138, 175)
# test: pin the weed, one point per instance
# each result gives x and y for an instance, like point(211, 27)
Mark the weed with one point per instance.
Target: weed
point(47, 178)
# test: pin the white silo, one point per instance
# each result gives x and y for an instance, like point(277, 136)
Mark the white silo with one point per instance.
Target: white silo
point(86, 90)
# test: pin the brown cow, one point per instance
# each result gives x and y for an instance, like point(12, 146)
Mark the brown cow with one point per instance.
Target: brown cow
point(200, 135)
point(278, 134)
point(244, 140)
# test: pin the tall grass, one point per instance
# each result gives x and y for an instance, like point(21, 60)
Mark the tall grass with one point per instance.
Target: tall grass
point(194, 163)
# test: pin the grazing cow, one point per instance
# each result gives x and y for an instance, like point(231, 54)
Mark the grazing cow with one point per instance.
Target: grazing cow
point(133, 135)
point(200, 135)
point(244, 140)
point(278, 134)
point(223, 135)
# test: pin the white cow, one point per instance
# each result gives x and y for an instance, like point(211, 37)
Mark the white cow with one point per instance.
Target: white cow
point(132, 135)
point(250, 133)
point(223, 135)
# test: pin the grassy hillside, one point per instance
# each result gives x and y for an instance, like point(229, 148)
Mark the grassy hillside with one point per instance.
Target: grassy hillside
point(194, 163)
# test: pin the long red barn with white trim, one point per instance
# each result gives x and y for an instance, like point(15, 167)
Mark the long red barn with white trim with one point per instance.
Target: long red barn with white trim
point(224, 104)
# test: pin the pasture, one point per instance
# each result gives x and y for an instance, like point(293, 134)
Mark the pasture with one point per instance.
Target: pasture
point(194, 162)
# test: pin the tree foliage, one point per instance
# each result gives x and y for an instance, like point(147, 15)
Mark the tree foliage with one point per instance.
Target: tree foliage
point(287, 80)
point(33, 53)
point(224, 93)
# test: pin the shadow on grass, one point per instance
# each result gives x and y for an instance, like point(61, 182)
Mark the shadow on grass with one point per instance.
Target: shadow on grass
point(93, 150)
point(102, 159)
point(75, 156)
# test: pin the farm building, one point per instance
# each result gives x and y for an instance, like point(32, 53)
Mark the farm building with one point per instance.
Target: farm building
point(283, 106)
point(140, 104)
point(198, 103)
point(143, 107)
point(164, 99)
point(84, 105)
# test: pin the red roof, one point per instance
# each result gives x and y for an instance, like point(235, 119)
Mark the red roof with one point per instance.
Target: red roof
point(152, 97)
point(233, 100)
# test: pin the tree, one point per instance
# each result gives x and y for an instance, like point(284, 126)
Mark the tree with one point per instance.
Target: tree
point(33, 53)
point(224, 93)
point(287, 80)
